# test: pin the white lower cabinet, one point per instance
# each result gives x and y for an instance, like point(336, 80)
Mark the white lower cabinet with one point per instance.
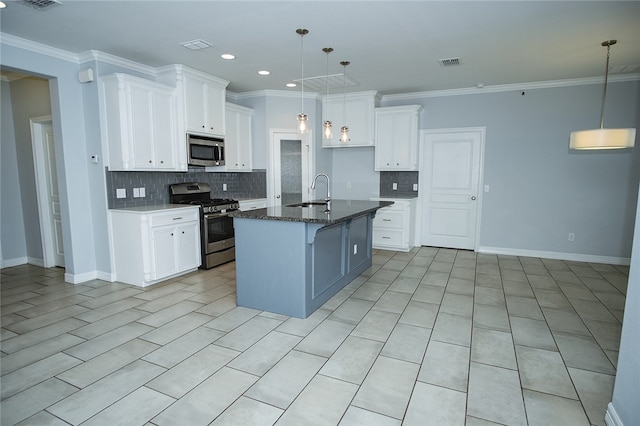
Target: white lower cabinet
point(151, 244)
point(393, 226)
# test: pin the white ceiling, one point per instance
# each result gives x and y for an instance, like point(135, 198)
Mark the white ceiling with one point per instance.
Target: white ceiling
point(393, 46)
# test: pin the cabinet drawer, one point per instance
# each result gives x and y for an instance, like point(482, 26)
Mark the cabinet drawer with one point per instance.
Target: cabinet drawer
point(388, 237)
point(389, 219)
point(174, 218)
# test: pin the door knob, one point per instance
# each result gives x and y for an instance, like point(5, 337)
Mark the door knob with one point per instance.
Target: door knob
point(278, 197)
point(473, 198)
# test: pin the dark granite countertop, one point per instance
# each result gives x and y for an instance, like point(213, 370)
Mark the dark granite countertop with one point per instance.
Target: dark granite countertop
point(341, 210)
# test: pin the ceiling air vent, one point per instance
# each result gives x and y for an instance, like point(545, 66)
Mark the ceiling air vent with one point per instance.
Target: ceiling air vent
point(449, 62)
point(41, 4)
point(196, 44)
point(319, 83)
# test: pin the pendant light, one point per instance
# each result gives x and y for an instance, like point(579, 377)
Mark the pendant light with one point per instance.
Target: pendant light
point(327, 126)
point(603, 138)
point(303, 125)
point(344, 130)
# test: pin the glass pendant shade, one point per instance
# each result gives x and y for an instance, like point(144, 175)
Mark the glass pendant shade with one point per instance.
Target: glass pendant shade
point(327, 130)
point(344, 134)
point(602, 139)
point(303, 125)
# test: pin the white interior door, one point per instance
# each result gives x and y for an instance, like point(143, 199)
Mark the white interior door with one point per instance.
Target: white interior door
point(48, 193)
point(291, 168)
point(450, 174)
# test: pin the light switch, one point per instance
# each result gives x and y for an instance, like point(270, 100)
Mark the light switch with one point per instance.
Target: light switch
point(224, 186)
point(136, 192)
point(142, 192)
point(415, 186)
point(486, 188)
point(394, 186)
point(121, 193)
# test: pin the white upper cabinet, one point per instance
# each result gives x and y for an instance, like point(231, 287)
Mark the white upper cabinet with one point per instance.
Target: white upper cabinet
point(397, 138)
point(238, 140)
point(201, 98)
point(360, 118)
point(141, 125)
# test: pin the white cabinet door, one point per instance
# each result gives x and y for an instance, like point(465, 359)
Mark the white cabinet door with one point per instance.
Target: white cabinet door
point(140, 106)
point(357, 111)
point(188, 246)
point(205, 106)
point(238, 140)
point(141, 124)
point(163, 242)
point(196, 114)
point(397, 138)
point(394, 226)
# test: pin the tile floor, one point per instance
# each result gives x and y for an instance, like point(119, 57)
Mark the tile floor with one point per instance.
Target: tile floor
point(430, 337)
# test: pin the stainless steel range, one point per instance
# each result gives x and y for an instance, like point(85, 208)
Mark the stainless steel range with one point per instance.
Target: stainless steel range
point(218, 242)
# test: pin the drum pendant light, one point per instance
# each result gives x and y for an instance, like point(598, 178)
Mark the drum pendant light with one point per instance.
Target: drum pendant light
point(327, 126)
point(303, 125)
point(603, 138)
point(344, 130)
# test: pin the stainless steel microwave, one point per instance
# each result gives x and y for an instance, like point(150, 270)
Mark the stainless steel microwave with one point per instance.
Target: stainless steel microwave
point(205, 150)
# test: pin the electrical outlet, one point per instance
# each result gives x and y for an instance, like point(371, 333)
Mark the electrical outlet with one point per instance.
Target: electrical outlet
point(224, 186)
point(348, 185)
point(572, 237)
point(121, 193)
point(394, 186)
point(415, 186)
point(486, 188)
point(136, 192)
point(355, 249)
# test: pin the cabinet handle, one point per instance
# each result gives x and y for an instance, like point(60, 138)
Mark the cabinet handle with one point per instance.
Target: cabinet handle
point(150, 161)
point(204, 127)
point(161, 161)
point(386, 238)
point(172, 234)
point(177, 218)
point(183, 232)
point(386, 220)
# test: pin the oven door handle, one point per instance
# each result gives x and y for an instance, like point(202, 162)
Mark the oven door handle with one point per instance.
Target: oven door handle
point(215, 215)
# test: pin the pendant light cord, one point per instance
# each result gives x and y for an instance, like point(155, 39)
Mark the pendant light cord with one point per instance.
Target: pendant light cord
point(606, 78)
point(302, 69)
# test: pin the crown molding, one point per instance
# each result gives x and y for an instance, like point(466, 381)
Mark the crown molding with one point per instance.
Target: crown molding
point(96, 55)
point(272, 93)
point(511, 87)
point(32, 46)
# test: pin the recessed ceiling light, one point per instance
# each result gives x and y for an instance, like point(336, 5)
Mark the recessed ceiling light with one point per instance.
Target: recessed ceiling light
point(264, 72)
point(291, 85)
point(196, 44)
point(227, 56)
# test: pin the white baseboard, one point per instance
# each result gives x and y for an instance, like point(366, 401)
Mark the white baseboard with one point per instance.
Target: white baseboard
point(556, 255)
point(8, 263)
point(88, 276)
point(611, 417)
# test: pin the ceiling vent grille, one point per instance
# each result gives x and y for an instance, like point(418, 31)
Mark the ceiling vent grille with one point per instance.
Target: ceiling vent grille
point(448, 62)
point(41, 4)
point(196, 44)
point(319, 83)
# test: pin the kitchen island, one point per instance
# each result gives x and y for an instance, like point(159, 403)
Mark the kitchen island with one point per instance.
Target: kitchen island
point(292, 259)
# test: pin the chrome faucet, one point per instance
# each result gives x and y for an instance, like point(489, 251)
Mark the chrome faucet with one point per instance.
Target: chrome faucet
point(313, 186)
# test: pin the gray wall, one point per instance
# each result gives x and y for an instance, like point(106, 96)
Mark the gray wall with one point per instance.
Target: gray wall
point(539, 190)
point(29, 99)
point(13, 243)
point(627, 385)
point(76, 192)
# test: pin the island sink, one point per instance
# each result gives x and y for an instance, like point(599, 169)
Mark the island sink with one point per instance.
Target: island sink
point(308, 204)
